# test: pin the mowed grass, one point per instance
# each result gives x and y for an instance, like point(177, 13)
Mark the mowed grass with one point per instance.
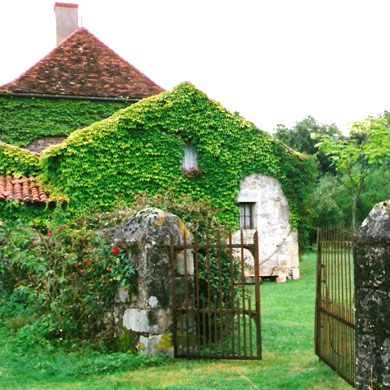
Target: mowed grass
point(288, 356)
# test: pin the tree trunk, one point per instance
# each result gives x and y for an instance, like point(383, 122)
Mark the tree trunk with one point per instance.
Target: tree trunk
point(354, 201)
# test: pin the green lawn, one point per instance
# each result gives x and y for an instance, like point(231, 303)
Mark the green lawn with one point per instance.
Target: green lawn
point(288, 356)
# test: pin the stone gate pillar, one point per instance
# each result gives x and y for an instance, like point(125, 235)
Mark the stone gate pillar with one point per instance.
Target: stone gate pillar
point(143, 312)
point(372, 296)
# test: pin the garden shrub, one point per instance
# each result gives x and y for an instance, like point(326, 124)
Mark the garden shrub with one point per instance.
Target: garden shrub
point(68, 276)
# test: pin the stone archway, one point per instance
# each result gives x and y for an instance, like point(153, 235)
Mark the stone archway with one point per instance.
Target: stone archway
point(278, 243)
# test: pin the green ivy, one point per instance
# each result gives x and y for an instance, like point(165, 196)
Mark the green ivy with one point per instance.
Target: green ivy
point(140, 149)
point(37, 214)
point(16, 161)
point(25, 119)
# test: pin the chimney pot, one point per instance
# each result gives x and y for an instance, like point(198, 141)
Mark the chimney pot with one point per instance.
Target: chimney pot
point(67, 19)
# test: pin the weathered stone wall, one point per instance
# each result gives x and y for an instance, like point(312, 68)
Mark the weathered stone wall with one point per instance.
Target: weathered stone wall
point(43, 143)
point(372, 296)
point(278, 244)
point(142, 315)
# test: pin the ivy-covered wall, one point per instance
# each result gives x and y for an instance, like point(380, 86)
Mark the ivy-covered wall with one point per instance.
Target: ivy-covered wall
point(140, 149)
point(16, 161)
point(26, 119)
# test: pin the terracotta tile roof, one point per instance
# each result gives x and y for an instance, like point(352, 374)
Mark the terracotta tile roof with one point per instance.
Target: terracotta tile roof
point(81, 65)
point(23, 189)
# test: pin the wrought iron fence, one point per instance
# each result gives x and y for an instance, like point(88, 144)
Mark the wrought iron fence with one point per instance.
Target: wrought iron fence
point(215, 303)
point(335, 318)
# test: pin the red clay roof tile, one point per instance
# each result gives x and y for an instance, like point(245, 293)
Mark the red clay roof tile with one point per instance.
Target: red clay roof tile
point(81, 65)
point(23, 189)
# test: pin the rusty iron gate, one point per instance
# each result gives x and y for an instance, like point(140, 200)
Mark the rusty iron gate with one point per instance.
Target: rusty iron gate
point(335, 318)
point(215, 302)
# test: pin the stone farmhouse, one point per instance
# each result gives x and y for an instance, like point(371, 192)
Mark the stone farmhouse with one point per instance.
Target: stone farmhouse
point(179, 141)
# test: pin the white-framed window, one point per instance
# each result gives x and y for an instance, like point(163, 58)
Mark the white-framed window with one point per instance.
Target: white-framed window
point(247, 215)
point(190, 159)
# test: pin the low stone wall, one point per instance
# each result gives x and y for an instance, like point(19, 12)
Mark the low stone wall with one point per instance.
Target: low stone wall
point(142, 315)
point(372, 296)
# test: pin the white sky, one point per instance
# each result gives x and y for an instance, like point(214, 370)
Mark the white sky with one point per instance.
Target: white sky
point(274, 61)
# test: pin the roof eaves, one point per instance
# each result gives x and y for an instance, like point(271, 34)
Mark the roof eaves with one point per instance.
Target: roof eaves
point(72, 97)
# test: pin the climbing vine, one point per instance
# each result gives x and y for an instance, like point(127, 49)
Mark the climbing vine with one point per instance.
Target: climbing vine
point(23, 120)
point(140, 149)
point(17, 161)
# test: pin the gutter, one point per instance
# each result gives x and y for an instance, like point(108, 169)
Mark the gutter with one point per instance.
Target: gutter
point(71, 97)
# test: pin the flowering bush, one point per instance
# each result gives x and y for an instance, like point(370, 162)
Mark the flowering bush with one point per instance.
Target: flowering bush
point(69, 277)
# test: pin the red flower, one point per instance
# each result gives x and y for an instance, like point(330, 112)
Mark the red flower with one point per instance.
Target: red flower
point(64, 226)
point(115, 250)
point(58, 230)
point(49, 232)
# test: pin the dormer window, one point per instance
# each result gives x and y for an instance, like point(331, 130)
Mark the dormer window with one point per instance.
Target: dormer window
point(190, 160)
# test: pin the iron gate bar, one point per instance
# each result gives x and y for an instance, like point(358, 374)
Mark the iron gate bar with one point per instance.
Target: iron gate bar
point(201, 324)
point(242, 285)
point(174, 318)
point(334, 322)
point(231, 285)
point(257, 294)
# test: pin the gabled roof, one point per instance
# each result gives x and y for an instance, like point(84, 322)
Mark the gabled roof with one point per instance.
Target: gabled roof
point(23, 189)
point(81, 65)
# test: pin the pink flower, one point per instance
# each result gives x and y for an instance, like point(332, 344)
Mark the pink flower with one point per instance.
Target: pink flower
point(64, 226)
point(115, 250)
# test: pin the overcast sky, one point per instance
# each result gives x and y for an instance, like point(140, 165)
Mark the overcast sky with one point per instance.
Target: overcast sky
point(274, 61)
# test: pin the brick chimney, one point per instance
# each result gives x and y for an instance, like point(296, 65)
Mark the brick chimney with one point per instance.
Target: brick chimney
point(67, 19)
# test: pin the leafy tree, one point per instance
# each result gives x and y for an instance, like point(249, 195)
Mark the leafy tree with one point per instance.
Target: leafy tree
point(299, 138)
point(377, 189)
point(329, 202)
point(356, 157)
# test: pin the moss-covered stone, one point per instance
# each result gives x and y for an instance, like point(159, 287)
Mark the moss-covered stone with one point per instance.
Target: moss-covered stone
point(126, 342)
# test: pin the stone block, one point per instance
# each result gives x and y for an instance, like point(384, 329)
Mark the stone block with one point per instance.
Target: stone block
point(153, 302)
point(372, 361)
point(156, 345)
point(281, 279)
point(137, 320)
point(122, 295)
point(294, 273)
point(372, 266)
point(373, 308)
point(153, 321)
